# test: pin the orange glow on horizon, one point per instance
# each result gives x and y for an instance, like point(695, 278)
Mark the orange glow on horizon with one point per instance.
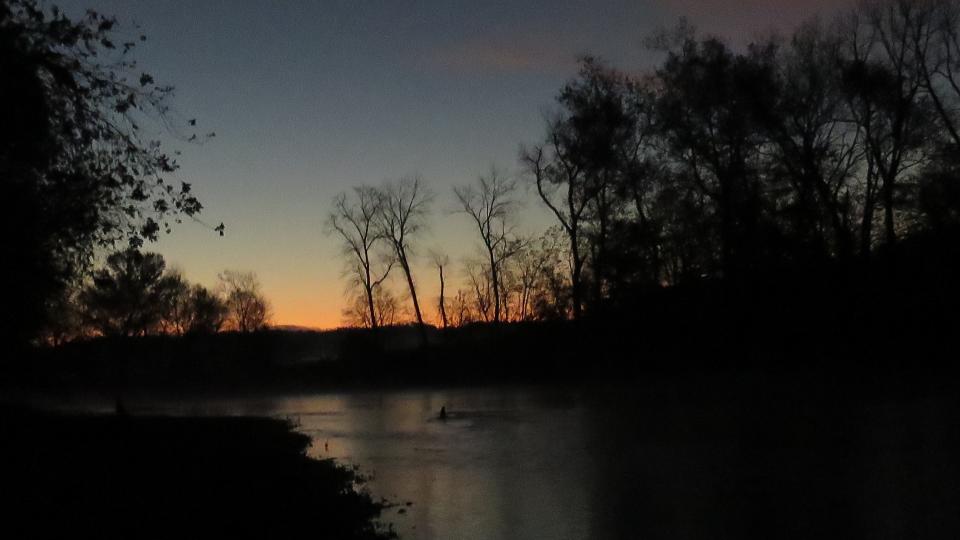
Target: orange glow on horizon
point(321, 318)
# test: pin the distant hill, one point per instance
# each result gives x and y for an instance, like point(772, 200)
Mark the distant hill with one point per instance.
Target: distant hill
point(296, 328)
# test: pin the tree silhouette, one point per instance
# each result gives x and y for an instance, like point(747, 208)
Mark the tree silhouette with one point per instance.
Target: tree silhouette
point(248, 310)
point(934, 31)
point(714, 135)
point(884, 79)
point(536, 265)
point(196, 310)
point(130, 295)
point(561, 184)
point(441, 261)
point(490, 205)
point(816, 148)
point(721, 164)
point(207, 311)
point(403, 209)
point(480, 283)
point(77, 169)
point(355, 220)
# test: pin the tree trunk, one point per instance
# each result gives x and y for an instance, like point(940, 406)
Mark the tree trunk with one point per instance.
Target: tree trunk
point(599, 269)
point(443, 309)
point(401, 254)
point(576, 286)
point(368, 288)
point(495, 279)
point(837, 222)
point(370, 306)
point(888, 221)
point(866, 223)
point(726, 229)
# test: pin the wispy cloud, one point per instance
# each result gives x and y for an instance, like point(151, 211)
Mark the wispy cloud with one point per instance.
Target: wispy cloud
point(615, 30)
point(538, 54)
point(739, 19)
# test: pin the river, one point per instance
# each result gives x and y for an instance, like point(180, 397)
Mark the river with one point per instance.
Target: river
point(660, 460)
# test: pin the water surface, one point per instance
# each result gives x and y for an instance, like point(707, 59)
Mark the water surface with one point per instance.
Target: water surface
point(715, 459)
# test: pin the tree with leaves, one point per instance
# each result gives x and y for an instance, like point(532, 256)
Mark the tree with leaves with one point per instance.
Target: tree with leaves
point(130, 295)
point(77, 170)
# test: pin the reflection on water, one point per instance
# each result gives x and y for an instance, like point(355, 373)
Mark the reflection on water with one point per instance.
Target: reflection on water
point(662, 461)
point(504, 464)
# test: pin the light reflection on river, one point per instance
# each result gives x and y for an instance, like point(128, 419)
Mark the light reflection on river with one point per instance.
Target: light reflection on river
point(505, 463)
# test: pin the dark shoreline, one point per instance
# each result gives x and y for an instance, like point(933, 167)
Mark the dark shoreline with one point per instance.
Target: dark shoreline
point(115, 476)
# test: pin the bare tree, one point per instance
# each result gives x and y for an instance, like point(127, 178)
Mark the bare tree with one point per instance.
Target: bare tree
point(248, 309)
point(461, 309)
point(385, 304)
point(481, 288)
point(441, 260)
point(389, 312)
point(934, 29)
point(885, 81)
point(562, 185)
point(176, 316)
point(816, 148)
point(490, 205)
point(403, 209)
point(355, 220)
point(533, 266)
point(196, 310)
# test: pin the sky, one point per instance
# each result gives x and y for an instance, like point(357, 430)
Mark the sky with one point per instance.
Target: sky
point(308, 99)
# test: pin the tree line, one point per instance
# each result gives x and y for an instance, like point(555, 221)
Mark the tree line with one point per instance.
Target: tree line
point(135, 294)
point(825, 146)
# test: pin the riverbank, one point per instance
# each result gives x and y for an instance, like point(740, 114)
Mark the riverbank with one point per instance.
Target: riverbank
point(112, 476)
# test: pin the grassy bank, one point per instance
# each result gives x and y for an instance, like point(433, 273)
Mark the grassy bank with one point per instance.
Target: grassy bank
point(134, 477)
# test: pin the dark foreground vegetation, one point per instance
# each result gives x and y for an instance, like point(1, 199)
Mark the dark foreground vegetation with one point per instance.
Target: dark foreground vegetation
point(156, 477)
